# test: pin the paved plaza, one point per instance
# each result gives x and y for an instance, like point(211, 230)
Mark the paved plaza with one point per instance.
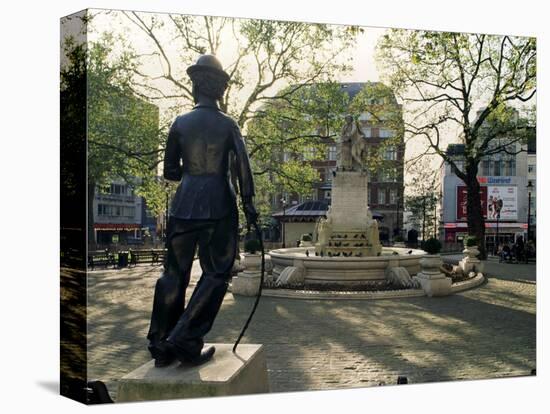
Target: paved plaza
point(486, 332)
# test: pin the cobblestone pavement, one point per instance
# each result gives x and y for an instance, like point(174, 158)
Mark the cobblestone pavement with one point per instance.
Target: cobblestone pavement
point(487, 332)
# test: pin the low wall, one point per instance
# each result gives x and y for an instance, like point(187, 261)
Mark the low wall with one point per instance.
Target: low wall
point(319, 270)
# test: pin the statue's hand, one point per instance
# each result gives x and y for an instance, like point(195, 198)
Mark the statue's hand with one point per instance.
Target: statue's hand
point(250, 213)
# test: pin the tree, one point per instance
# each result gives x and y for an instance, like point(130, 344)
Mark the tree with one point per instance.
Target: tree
point(422, 199)
point(462, 85)
point(122, 130)
point(264, 57)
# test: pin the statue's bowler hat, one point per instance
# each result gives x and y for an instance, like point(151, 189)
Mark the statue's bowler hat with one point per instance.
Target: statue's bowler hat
point(208, 63)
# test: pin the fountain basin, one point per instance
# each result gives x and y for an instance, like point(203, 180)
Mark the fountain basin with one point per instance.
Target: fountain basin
point(345, 270)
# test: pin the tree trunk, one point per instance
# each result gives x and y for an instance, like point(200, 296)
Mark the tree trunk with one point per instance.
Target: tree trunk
point(476, 222)
point(91, 195)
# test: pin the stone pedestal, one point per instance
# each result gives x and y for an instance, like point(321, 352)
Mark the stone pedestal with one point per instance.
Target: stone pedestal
point(251, 261)
point(244, 372)
point(470, 263)
point(246, 283)
point(431, 279)
point(349, 230)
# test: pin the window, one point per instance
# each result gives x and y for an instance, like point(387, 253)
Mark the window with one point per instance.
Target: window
point(332, 152)
point(393, 196)
point(388, 176)
point(118, 189)
point(129, 211)
point(485, 167)
point(327, 195)
point(381, 196)
point(531, 169)
point(510, 167)
point(386, 133)
point(497, 170)
point(390, 153)
point(368, 196)
point(103, 210)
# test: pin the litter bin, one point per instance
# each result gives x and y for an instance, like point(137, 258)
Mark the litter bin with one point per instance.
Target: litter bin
point(123, 259)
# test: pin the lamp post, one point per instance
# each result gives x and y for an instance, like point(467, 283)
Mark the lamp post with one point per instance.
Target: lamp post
point(283, 202)
point(496, 237)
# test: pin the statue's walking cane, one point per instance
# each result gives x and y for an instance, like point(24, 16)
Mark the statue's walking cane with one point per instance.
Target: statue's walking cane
point(259, 294)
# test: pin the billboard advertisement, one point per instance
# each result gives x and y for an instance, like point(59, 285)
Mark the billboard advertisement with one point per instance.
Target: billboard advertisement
point(502, 200)
point(495, 200)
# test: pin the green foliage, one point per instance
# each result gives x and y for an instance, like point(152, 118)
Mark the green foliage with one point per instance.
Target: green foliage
point(252, 246)
point(398, 239)
point(470, 241)
point(431, 246)
point(378, 102)
point(124, 139)
point(306, 237)
point(123, 130)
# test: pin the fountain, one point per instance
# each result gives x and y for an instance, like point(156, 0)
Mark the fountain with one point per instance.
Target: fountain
point(348, 251)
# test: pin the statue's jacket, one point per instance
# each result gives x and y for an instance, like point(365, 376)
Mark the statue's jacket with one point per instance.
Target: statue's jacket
point(199, 151)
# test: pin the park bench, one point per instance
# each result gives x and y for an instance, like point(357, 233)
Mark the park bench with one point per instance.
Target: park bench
point(102, 258)
point(153, 256)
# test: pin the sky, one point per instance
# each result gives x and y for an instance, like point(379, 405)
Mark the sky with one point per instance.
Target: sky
point(364, 67)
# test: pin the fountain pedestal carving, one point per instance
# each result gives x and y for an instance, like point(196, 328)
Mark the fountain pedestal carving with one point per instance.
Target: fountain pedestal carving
point(349, 229)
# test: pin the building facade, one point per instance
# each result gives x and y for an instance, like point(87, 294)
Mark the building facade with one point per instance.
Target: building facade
point(504, 179)
point(385, 187)
point(532, 187)
point(118, 214)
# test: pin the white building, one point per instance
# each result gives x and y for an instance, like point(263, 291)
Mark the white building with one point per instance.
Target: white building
point(502, 176)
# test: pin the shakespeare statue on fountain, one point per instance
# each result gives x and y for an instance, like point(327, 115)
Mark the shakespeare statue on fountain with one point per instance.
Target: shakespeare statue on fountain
point(349, 229)
point(352, 146)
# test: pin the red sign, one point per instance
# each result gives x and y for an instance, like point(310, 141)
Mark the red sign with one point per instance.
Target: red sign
point(117, 226)
point(461, 199)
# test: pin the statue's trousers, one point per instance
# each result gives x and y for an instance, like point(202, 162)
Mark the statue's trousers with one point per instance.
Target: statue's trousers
point(186, 326)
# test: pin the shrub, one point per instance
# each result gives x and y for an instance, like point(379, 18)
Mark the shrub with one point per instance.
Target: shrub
point(252, 246)
point(306, 237)
point(470, 241)
point(398, 239)
point(431, 246)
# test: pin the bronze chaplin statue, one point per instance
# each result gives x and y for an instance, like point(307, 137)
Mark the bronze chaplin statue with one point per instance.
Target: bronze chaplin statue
point(201, 148)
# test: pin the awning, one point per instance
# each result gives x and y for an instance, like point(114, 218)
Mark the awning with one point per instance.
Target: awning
point(311, 209)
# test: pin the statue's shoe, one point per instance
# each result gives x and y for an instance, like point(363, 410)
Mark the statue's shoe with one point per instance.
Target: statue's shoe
point(162, 355)
point(185, 359)
point(204, 356)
